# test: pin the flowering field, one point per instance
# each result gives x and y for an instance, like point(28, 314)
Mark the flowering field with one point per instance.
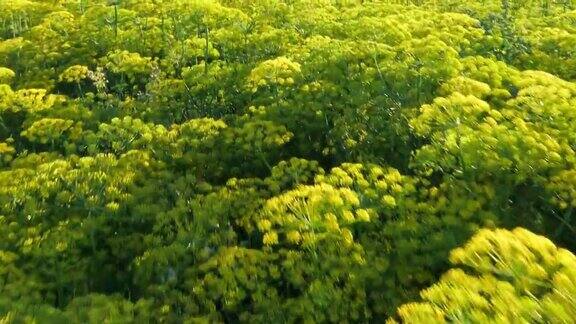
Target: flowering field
point(287, 161)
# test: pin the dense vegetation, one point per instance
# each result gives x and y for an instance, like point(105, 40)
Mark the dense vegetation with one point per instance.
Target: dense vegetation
point(188, 161)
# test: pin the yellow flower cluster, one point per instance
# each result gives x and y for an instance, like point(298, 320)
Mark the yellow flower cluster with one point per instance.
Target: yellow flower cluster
point(49, 130)
point(6, 152)
point(280, 71)
point(524, 135)
point(74, 73)
point(516, 276)
point(132, 65)
point(6, 75)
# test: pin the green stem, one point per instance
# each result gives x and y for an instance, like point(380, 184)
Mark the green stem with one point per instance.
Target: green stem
point(116, 3)
point(263, 158)
point(206, 52)
point(565, 223)
point(80, 89)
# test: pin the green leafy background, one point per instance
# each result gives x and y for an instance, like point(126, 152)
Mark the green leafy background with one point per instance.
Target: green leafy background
point(294, 161)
